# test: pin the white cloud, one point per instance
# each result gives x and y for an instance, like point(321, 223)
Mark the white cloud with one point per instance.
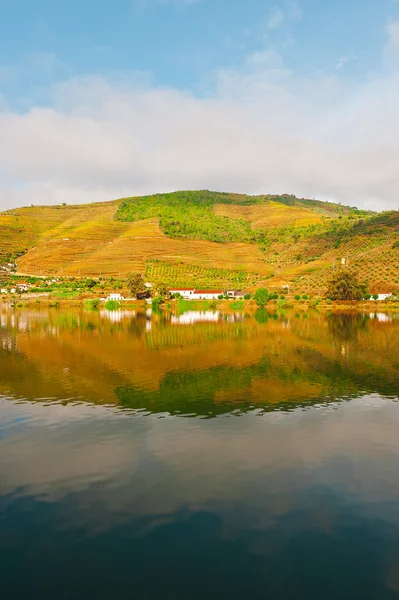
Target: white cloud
point(264, 130)
point(393, 35)
point(275, 19)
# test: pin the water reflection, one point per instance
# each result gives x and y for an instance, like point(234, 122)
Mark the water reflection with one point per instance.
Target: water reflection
point(203, 363)
point(289, 492)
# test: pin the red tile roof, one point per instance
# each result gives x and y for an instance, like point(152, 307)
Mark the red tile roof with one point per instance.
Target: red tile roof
point(209, 291)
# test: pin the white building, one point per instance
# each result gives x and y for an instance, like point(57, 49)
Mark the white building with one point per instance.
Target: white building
point(116, 297)
point(184, 292)
point(4, 291)
point(206, 294)
point(382, 297)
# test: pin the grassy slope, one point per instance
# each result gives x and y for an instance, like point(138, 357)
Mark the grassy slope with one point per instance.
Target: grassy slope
point(205, 238)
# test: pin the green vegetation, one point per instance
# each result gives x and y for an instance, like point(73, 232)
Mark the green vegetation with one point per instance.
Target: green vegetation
point(156, 302)
point(238, 305)
point(261, 297)
point(92, 304)
point(191, 215)
point(112, 305)
point(346, 286)
point(188, 215)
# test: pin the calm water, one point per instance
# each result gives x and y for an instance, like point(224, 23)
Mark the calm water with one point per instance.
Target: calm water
point(199, 456)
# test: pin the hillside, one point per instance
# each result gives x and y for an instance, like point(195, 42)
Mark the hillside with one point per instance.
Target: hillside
point(205, 238)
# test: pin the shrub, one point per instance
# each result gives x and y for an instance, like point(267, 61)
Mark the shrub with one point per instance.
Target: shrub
point(282, 297)
point(92, 304)
point(304, 297)
point(112, 305)
point(261, 297)
point(297, 297)
point(220, 297)
point(156, 302)
point(375, 296)
point(247, 296)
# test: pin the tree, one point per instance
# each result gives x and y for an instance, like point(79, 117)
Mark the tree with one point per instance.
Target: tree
point(247, 296)
point(345, 285)
point(162, 290)
point(135, 283)
point(261, 297)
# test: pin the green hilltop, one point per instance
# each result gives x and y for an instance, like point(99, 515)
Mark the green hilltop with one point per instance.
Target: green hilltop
point(206, 238)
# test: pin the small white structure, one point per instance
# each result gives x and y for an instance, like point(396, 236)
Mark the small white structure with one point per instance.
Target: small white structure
point(382, 297)
point(22, 287)
point(116, 297)
point(4, 291)
point(233, 294)
point(184, 292)
point(13, 290)
point(206, 294)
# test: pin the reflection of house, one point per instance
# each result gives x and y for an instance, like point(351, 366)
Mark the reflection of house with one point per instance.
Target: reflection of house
point(194, 316)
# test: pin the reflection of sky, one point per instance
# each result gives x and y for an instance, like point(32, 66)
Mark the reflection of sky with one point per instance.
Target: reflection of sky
point(276, 487)
point(53, 450)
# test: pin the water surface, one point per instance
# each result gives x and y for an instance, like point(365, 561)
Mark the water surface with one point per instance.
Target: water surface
point(199, 455)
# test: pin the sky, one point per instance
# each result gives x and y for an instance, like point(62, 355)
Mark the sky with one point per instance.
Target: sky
point(101, 100)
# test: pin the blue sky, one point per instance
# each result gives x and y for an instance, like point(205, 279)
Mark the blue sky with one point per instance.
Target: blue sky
point(294, 67)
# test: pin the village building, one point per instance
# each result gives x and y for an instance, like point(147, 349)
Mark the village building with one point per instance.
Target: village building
point(194, 294)
point(381, 297)
point(116, 297)
point(184, 292)
point(207, 294)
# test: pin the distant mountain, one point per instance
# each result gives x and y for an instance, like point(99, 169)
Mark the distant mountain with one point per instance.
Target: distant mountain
point(206, 238)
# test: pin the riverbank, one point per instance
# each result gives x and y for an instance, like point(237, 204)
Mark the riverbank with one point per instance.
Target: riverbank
point(249, 306)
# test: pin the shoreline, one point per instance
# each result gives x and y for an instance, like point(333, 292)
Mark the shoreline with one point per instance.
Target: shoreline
point(248, 306)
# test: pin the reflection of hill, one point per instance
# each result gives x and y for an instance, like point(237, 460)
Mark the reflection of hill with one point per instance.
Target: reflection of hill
point(203, 368)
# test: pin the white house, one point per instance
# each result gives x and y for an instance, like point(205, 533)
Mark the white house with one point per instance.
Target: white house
point(4, 291)
point(382, 297)
point(206, 294)
point(184, 292)
point(116, 297)
point(22, 287)
point(234, 293)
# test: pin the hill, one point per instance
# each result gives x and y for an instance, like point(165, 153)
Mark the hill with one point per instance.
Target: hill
point(206, 238)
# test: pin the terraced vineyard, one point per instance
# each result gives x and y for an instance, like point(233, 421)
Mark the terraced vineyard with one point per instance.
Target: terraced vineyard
point(191, 275)
point(206, 239)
